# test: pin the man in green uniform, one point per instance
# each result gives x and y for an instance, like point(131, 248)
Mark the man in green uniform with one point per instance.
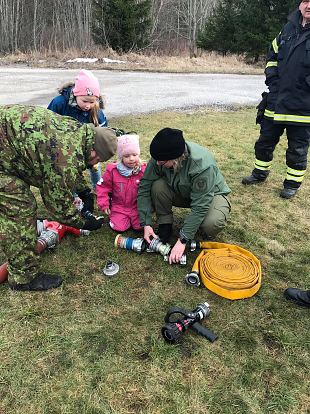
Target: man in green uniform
point(182, 174)
point(44, 150)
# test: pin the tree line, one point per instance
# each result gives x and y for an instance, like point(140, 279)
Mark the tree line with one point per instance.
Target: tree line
point(165, 26)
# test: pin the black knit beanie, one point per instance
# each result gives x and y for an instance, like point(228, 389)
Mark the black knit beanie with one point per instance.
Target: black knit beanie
point(168, 144)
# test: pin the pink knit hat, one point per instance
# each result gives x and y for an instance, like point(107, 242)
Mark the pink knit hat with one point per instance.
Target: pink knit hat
point(86, 84)
point(127, 144)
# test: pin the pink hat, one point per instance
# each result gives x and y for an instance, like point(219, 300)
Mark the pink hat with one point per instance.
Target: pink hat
point(127, 144)
point(86, 84)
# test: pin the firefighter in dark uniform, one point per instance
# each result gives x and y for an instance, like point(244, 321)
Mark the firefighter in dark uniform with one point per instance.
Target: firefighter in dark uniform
point(287, 105)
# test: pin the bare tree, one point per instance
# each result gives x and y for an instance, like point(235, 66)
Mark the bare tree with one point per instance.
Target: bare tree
point(178, 22)
point(37, 24)
point(193, 14)
point(28, 25)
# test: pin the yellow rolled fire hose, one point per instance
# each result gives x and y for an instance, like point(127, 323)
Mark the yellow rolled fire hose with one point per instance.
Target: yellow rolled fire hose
point(228, 270)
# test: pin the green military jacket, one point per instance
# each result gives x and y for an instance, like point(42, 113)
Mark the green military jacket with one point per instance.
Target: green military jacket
point(198, 180)
point(47, 151)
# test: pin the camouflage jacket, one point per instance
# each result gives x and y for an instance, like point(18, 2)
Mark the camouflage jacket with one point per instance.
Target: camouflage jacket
point(47, 151)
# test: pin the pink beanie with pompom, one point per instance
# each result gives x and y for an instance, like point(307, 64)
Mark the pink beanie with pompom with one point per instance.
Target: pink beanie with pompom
point(127, 144)
point(86, 84)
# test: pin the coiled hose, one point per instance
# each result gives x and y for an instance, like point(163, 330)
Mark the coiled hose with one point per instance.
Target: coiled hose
point(228, 270)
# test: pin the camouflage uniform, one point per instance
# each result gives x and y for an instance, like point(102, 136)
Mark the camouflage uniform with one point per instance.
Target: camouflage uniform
point(44, 150)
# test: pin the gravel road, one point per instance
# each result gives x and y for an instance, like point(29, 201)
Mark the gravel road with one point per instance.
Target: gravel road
point(135, 92)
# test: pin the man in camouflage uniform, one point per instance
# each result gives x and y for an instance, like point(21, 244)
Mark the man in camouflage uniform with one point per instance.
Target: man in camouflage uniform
point(44, 150)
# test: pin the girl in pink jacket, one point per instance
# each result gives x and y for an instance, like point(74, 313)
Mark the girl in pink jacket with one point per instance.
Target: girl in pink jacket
point(118, 188)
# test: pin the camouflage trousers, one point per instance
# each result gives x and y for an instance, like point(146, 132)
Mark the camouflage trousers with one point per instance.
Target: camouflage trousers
point(18, 233)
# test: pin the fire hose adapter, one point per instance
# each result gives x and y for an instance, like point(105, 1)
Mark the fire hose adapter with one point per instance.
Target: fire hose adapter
point(110, 269)
point(227, 270)
point(192, 279)
point(128, 243)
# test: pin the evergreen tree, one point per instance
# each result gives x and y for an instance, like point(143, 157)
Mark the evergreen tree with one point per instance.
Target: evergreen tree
point(122, 24)
point(245, 26)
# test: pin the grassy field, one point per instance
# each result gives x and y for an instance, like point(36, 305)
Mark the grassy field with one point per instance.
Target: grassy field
point(94, 346)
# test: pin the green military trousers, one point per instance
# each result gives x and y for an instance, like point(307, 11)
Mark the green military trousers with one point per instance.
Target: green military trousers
point(18, 233)
point(163, 199)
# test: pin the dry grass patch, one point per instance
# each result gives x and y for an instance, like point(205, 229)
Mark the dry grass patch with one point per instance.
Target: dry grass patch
point(205, 63)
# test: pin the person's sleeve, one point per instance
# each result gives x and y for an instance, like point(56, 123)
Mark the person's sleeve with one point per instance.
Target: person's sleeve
point(103, 188)
point(271, 69)
point(144, 200)
point(57, 105)
point(102, 119)
point(202, 194)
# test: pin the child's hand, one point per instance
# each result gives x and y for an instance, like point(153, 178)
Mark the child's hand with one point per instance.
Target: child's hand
point(148, 233)
point(107, 211)
point(78, 203)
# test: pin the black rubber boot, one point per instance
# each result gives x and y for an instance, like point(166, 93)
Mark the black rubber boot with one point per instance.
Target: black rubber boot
point(43, 281)
point(288, 192)
point(252, 179)
point(300, 297)
point(164, 232)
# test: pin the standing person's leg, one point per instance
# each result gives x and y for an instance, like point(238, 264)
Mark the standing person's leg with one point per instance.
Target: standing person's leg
point(217, 216)
point(18, 236)
point(270, 134)
point(135, 221)
point(95, 174)
point(298, 138)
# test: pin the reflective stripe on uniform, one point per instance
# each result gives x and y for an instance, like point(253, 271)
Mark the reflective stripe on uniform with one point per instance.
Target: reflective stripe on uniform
point(262, 165)
point(295, 175)
point(275, 45)
point(271, 63)
point(268, 113)
point(291, 118)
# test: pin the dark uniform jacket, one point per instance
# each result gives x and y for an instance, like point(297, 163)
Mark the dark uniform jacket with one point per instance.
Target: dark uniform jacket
point(288, 74)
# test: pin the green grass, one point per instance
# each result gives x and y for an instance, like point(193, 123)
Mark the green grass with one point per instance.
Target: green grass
point(94, 346)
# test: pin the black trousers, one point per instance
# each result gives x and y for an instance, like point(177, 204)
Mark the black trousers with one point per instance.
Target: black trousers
point(298, 138)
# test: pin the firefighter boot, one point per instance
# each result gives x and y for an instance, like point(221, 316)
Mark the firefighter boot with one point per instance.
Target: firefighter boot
point(300, 297)
point(288, 192)
point(255, 178)
point(43, 281)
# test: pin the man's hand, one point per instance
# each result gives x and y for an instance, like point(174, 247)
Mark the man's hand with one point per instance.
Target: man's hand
point(261, 108)
point(149, 232)
point(93, 223)
point(176, 252)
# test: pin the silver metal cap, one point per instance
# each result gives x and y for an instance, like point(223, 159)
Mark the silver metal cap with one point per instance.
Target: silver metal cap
point(110, 268)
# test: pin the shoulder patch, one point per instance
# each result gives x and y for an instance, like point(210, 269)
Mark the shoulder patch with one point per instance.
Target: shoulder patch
point(200, 185)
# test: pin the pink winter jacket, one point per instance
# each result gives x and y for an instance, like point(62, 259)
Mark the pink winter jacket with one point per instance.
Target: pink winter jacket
point(123, 191)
